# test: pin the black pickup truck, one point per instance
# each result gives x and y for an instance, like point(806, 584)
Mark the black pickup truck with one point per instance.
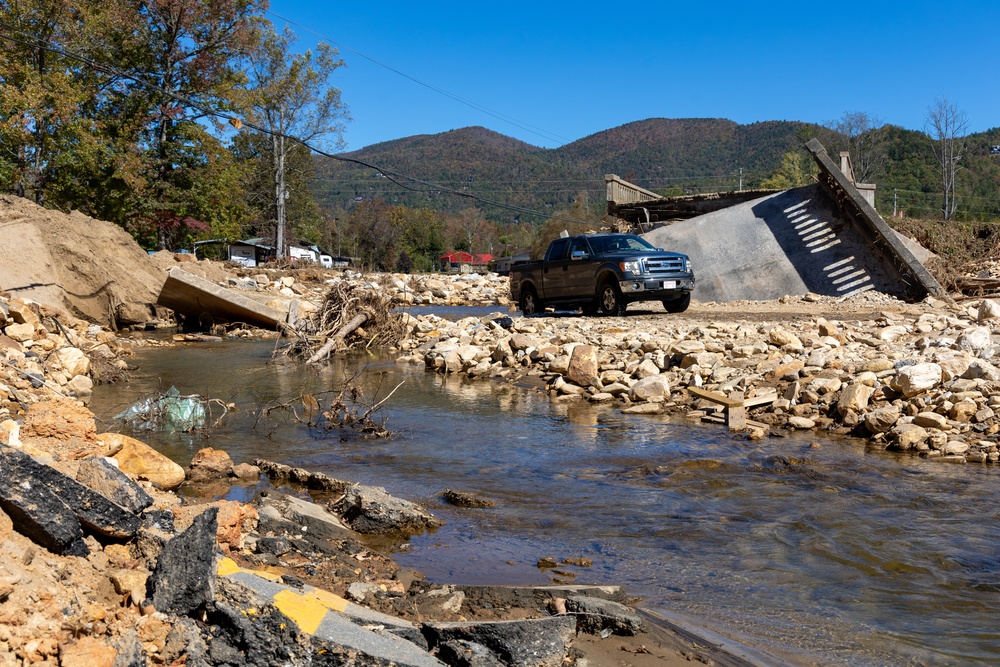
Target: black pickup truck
point(602, 273)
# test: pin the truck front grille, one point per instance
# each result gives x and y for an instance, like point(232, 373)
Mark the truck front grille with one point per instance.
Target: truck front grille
point(664, 265)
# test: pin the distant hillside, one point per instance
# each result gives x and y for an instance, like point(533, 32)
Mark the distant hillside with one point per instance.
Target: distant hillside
point(662, 154)
point(670, 156)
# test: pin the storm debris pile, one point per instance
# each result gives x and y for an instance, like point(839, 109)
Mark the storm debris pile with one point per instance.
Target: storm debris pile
point(352, 315)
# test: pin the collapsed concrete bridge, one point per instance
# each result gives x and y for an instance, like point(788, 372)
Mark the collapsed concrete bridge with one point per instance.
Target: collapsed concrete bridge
point(825, 238)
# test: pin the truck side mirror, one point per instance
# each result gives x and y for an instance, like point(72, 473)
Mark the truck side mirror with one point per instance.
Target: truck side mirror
point(578, 254)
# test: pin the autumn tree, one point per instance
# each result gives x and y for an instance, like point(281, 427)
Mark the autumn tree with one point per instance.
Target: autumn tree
point(471, 231)
point(575, 219)
point(289, 96)
point(372, 235)
point(191, 49)
point(947, 124)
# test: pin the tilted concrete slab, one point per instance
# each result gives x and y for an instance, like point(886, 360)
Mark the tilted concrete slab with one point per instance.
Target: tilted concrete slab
point(887, 244)
point(789, 243)
point(197, 298)
point(824, 238)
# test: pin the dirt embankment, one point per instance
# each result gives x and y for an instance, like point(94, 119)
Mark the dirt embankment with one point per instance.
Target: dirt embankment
point(91, 268)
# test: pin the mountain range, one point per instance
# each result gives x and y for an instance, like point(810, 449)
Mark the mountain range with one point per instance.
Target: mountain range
point(476, 167)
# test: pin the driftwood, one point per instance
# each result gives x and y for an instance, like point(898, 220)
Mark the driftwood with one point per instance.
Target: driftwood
point(337, 339)
point(353, 315)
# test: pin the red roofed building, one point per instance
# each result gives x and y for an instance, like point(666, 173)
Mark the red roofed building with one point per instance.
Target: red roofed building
point(455, 260)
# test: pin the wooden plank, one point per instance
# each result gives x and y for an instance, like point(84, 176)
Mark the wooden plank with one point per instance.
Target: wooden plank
point(719, 419)
point(715, 397)
point(764, 399)
point(736, 415)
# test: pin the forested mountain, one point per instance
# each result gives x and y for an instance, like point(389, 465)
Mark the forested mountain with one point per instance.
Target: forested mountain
point(667, 155)
point(670, 156)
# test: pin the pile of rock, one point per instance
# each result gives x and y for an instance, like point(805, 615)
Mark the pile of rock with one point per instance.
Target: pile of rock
point(922, 381)
point(457, 289)
point(44, 353)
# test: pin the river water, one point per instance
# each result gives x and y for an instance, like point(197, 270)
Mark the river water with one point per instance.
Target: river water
point(815, 550)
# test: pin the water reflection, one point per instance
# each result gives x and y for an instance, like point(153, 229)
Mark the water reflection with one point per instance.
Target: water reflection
point(833, 552)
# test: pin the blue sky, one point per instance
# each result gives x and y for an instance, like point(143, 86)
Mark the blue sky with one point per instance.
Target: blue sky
point(549, 73)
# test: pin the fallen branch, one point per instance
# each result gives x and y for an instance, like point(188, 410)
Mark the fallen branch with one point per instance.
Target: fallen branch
point(337, 339)
point(353, 315)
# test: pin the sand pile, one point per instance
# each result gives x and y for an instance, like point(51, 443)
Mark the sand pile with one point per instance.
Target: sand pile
point(93, 269)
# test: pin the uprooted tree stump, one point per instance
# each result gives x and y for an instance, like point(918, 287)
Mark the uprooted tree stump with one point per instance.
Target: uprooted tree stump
point(353, 315)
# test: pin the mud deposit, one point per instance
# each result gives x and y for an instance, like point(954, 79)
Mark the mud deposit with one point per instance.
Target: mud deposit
point(817, 551)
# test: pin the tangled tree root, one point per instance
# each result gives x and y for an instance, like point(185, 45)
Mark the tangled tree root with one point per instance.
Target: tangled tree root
point(352, 316)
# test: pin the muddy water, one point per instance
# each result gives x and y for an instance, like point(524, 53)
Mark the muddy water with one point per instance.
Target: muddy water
point(818, 551)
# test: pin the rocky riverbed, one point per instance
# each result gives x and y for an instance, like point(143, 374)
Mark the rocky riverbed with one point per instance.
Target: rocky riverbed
point(907, 377)
point(111, 554)
point(104, 586)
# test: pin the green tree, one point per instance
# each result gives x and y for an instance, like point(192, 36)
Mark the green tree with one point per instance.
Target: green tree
point(796, 169)
point(190, 51)
point(420, 234)
point(290, 97)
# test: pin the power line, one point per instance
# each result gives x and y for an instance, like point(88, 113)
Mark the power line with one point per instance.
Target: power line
point(545, 134)
point(392, 176)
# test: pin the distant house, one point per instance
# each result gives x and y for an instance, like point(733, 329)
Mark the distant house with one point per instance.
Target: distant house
point(257, 251)
point(454, 261)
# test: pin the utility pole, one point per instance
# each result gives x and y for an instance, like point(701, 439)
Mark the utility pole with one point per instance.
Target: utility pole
point(280, 192)
point(741, 179)
point(895, 201)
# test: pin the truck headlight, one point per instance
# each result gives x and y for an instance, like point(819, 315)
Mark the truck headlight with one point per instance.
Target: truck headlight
point(687, 266)
point(631, 267)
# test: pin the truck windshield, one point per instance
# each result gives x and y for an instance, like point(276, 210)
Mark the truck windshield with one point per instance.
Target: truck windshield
point(619, 243)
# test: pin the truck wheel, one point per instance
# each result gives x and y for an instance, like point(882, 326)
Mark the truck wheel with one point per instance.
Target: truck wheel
point(530, 303)
point(678, 305)
point(609, 300)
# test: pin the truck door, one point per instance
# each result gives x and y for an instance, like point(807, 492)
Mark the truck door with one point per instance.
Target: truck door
point(580, 278)
point(555, 269)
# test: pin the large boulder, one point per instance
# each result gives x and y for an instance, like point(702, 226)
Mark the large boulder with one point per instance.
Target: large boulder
point(882, 419)
point(137, 458)
point(582, 369)
point(916, 379)
point(650, 388)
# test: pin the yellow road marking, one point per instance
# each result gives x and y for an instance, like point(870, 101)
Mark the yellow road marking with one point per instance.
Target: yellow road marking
point(306, 613)
point(328, 599)
point(228, 566)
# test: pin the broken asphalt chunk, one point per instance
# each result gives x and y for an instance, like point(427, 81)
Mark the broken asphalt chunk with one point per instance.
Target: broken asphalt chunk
point(40, 486)
point(541, 642)
point(105, 478)
point(184, 577)
point(594, 616)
